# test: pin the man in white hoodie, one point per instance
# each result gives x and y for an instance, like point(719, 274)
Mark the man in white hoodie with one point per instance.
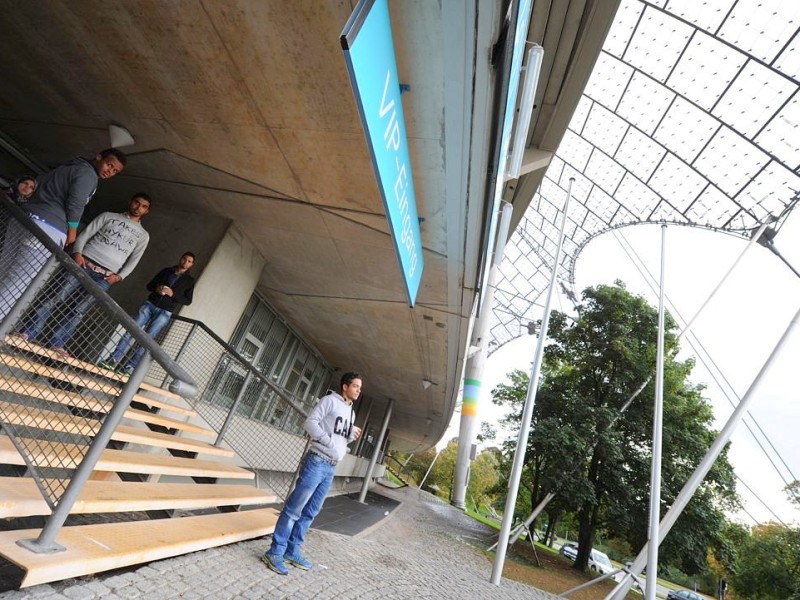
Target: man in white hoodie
point(331, 428)
point(108, 250)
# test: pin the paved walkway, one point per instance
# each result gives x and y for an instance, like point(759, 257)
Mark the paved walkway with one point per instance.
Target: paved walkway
point(424, 549)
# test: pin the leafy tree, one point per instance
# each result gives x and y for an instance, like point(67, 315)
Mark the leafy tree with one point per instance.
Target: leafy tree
point(487, 432)
point(767, 564)
point(483, 477)
point(597, 460)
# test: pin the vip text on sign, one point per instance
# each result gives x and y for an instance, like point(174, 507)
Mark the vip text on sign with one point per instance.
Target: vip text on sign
point(369, 54)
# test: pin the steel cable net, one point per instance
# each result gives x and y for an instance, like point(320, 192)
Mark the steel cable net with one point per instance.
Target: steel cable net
point(264, 430)
point(52, 402)
point(690, 117)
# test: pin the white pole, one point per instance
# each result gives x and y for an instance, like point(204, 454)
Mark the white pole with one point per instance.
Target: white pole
point(658, 417)
point(527, 411)
point(705, 465)
point(362, 497)
point(474, 370)
point(428, 472)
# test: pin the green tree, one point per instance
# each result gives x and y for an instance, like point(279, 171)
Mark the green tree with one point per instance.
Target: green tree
point(483, 477)
point(767, 564)
point(599, 461)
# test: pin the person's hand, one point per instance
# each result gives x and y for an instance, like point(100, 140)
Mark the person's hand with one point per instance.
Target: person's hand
point(165, 290)
point(357, 433)
point(79, 259)
point(113, 278)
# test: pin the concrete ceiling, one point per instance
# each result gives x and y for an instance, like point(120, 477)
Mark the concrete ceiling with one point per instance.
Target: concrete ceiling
point(243, 109)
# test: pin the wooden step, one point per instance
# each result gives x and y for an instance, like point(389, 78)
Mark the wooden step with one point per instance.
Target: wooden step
point(18, 362)
point(92, 384)
point(20, 497)
point(76, 363)
point(53, 454)
point(17, 414)
point(49, 394)
point(97, 548)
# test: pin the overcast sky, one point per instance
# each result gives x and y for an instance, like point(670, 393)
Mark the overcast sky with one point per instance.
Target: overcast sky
point(739, 329)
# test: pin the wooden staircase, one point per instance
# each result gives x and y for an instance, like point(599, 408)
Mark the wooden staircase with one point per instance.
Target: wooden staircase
point(126, 479)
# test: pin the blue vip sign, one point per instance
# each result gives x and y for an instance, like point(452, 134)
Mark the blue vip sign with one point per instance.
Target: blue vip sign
point(369, 54)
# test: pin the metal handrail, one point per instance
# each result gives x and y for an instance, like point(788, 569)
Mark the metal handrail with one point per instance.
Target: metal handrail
point(252, 371)
point(183, 384)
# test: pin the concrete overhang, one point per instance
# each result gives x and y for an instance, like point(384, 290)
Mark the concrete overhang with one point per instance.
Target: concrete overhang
point(244, 111)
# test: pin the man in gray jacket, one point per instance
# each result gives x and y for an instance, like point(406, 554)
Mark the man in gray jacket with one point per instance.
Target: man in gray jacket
point(331, 428)
point(56, 208)
point(108, 250)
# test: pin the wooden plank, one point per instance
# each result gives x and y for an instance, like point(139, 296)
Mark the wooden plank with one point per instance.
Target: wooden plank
point(78, 380)
point(18, 362)
point(17, 414)
point(45, 392)
point(22, 344)
point(20, 497)
point(48, 454)
point(97, 548)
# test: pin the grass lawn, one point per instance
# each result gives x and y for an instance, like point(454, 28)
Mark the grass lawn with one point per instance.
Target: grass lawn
point(556, 574)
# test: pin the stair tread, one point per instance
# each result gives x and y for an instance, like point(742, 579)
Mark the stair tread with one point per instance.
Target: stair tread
point(20, 497)
point(77, 363)
point(44, 392)
point(99, 386)
point(97, 548)
point(17, 414)
point(125, 461)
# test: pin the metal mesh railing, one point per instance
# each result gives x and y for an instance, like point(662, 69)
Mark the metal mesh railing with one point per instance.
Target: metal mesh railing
point(55, 322)
point(257, 418)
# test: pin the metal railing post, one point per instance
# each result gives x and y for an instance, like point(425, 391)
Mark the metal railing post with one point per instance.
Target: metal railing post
point(45, 543)
point(234, 406)
point(27, 297)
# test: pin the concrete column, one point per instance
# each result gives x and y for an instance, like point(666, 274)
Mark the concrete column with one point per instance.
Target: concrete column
point(378, 445)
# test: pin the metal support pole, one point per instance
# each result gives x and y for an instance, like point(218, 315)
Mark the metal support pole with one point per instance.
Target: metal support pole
point(474, 370)
point(183, 347)
point(705, 465)
point(430, 467)
point(378, 445)
point(232, 411)
point(45, 543)
point(527, 411)
point(27, 297)
point(658, 418)
point(365, 422)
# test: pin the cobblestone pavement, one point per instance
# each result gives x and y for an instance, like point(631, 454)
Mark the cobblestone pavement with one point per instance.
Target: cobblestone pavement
point(424, 549)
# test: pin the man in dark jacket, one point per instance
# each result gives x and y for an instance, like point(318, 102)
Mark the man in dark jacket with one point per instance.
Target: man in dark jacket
point(170, 288)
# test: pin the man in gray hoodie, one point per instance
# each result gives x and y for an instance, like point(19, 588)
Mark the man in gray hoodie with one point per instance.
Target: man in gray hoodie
point(108, 250)
point(56, 207)
point(331, 428)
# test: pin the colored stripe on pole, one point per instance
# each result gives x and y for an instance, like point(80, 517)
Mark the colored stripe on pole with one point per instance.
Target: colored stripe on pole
point(472, 389)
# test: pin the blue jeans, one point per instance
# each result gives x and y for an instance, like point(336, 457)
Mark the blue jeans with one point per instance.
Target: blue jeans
point(150, 318)
point(302, 506)
point(21, 259)
point(80, 301)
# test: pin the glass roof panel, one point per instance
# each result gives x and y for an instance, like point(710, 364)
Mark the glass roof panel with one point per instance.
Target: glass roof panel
point(753, 98)
point(781, 137)
point(761, 28)
point(705, 70)
point(690, 116)
point(657, 43)
point(686, 129)
point(705, 14)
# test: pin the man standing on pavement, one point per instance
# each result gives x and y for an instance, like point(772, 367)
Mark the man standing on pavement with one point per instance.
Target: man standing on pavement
point(108, 250)
point(170, 288)
point(56, 207)
point(331, 428)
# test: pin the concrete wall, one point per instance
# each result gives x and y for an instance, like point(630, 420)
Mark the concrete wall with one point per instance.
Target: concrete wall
point(228, 280)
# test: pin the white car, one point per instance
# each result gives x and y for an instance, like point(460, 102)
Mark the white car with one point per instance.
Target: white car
point(599, 561)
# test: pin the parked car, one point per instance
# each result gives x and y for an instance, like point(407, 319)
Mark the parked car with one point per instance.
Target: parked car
point(599, 562)
point(683, 595)
point(569, 550)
